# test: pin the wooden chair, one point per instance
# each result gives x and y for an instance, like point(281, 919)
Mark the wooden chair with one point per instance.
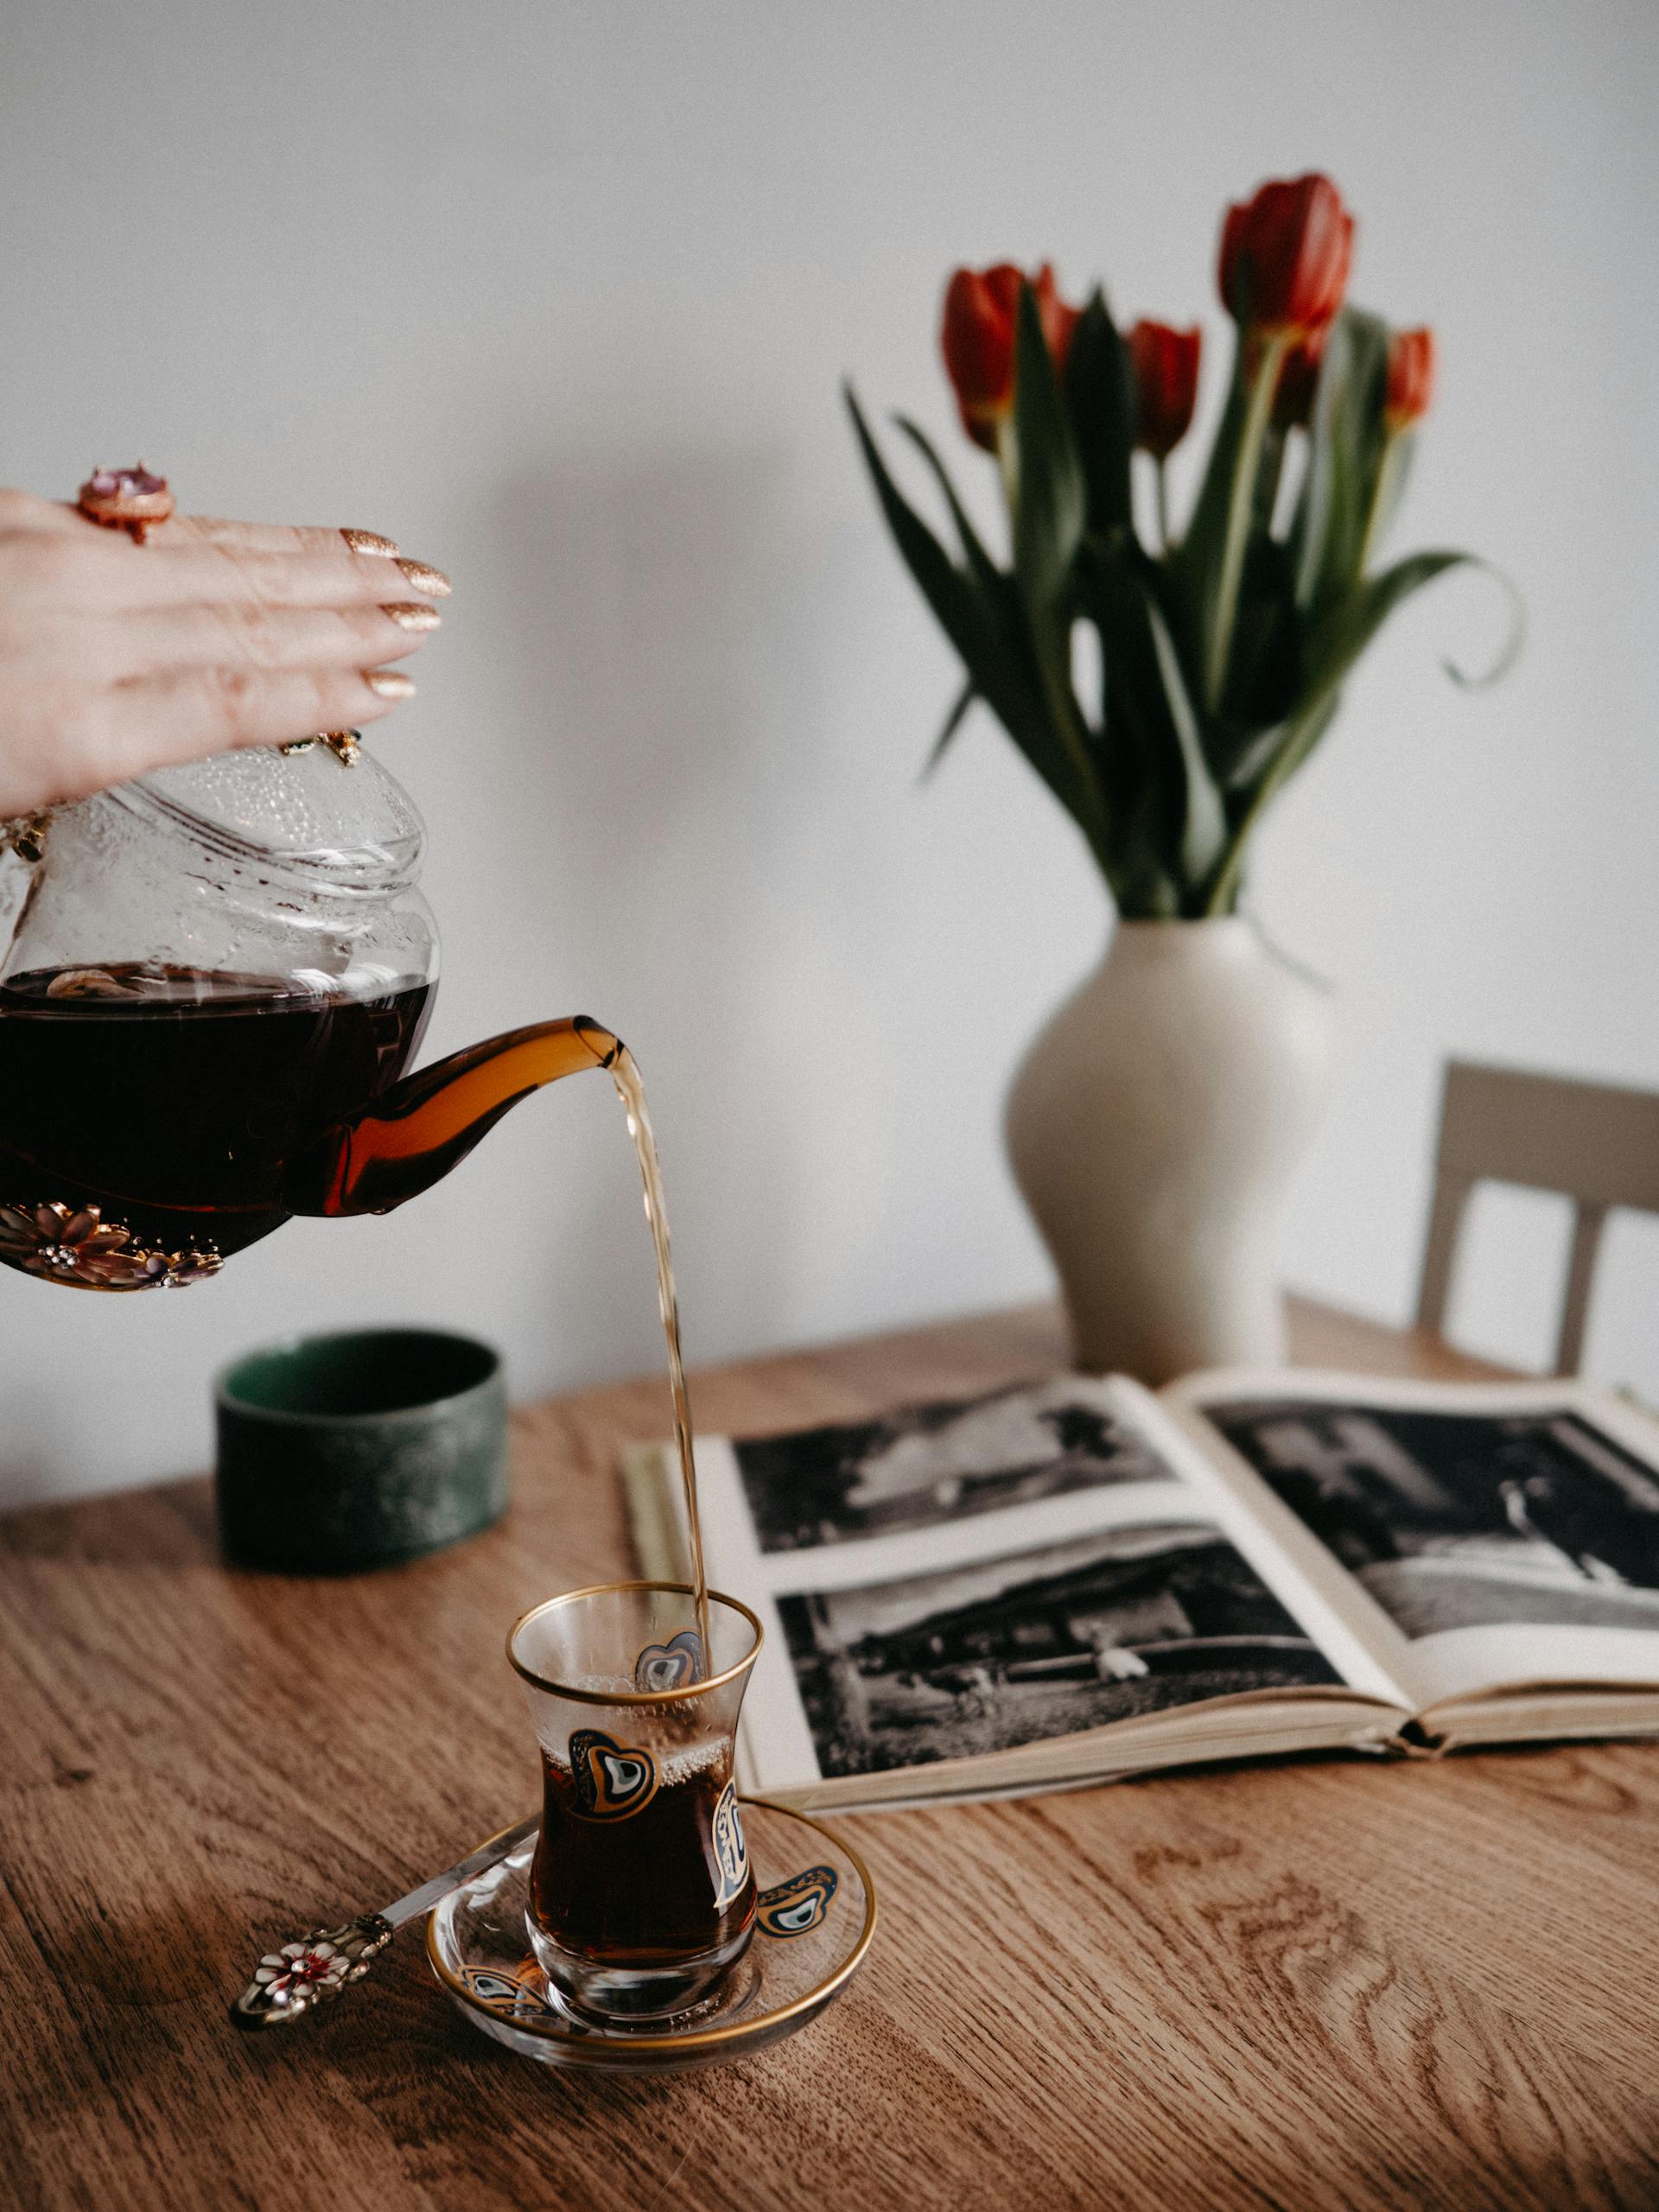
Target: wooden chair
point(1596, 1142)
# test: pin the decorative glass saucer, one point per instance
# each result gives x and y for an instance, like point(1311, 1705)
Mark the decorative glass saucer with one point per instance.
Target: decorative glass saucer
point(813, 1925)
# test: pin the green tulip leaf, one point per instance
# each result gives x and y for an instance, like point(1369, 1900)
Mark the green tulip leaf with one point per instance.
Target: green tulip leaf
point(1510, 651)
point(979, 561)
point(1340, 638)
point(1148, 696)
point(1199, 558)
point(953, 722)
point(1203, 827)
point(1049, 508)
point(944, 585)
point(984, 619)
point(1334, 647)
point(1100, 400)
point(1049, 504)
point(1336, 520)
point(1211, 567)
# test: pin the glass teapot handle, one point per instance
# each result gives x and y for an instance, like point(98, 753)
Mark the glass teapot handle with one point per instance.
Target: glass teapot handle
point(415, 1133)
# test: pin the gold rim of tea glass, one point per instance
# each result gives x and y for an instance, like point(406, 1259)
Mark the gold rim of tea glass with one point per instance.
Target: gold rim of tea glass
point(733, 2030)
point(675, 1696)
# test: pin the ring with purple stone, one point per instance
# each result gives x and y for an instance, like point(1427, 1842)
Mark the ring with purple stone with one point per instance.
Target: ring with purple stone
point(126, 498)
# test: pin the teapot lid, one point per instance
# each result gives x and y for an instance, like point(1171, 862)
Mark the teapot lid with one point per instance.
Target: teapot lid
point(320, 809)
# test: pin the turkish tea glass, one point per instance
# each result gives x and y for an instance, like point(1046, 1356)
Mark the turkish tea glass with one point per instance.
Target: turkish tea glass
point(641, 1896)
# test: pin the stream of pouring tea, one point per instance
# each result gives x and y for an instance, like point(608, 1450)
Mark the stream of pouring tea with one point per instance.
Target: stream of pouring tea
point(428, 1122)
point(624, 1073)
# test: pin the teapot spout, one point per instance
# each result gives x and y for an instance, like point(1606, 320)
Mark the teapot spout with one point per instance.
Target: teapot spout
point(415, 1133)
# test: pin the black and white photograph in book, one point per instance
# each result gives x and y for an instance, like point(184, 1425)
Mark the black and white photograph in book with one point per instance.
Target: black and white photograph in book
point(942, 1462)
point(1044, 1643)
point(1466, 1520)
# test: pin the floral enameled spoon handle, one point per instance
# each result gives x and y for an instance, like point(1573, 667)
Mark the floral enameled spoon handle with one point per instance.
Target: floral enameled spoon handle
point(292, 1981)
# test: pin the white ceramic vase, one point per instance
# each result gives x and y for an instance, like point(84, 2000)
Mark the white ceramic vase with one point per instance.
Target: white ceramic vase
point(1154, 1126)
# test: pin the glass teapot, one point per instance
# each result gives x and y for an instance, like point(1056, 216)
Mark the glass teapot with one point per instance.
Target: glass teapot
point(213, 979)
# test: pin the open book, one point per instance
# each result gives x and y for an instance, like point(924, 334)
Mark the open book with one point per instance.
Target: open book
point(1076, 1579)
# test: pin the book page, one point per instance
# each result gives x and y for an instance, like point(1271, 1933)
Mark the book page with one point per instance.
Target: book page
point(1491, 1536)
point(1357, 1638)
point(952, 1582)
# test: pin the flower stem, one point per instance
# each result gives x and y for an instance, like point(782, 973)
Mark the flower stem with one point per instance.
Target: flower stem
point(1382, 501)
point(1161, 479)
point(1241, 501)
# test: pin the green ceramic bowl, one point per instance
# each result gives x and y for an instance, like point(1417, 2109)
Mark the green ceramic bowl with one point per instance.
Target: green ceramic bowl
point(341, 1452)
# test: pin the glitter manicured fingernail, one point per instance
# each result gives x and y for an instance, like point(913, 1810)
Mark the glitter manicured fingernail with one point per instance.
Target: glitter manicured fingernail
point(370, 541)
point(412, 614)
point(432, 582)
point(388, 683)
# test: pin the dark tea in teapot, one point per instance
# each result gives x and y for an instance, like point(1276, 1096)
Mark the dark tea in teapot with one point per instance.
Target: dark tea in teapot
point(176, 1102)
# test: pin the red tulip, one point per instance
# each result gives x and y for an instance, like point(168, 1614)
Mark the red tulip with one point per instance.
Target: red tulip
point(977, 332)
point(1165, 363)
point(1411, 378)
point(1285, 256)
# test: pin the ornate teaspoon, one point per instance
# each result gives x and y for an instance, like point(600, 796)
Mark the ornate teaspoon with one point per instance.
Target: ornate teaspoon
point(292, 1979)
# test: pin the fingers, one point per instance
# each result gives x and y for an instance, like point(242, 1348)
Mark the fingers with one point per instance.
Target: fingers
point(195, 570)
point(351, 561)
point(56, 557)
point(22, 511)
point(277, 538)
point(152, 641)
point(116, 658)
point(61, 517)
point(157, 721)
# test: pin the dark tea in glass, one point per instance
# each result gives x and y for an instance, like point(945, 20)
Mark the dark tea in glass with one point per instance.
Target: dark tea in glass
point(667, 1890)
point(641, 1893)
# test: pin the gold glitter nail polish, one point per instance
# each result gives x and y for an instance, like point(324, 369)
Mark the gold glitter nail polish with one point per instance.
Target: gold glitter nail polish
point(432, 582)
point(388, 683)
point(370, 541)
point(412, 613)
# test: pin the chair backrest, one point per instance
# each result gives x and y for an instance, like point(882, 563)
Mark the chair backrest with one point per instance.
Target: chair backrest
point(1596, 1142)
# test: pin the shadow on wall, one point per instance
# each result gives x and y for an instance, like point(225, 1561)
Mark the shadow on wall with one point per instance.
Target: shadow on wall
point(648, 718)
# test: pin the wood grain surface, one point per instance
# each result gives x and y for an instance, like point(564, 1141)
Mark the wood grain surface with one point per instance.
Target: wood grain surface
point(1319, 1984)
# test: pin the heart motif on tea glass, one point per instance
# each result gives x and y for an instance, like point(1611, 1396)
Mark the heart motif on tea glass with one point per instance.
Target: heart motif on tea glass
point(669, 1666)
point(798, 1905)
point(612, 1780)
point(731, 1846)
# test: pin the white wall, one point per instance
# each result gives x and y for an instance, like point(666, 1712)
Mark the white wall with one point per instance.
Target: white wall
point(560, 295)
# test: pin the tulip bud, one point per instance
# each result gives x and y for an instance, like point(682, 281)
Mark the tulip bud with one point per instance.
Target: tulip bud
point(1165, 365)
point(1411, 378)
point(1285, 256)
point(976, 336)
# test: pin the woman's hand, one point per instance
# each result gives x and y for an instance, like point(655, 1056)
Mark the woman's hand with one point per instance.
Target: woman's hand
point(116, 658)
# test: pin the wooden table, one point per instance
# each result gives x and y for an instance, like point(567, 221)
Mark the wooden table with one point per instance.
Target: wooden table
point(1329, 1984)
